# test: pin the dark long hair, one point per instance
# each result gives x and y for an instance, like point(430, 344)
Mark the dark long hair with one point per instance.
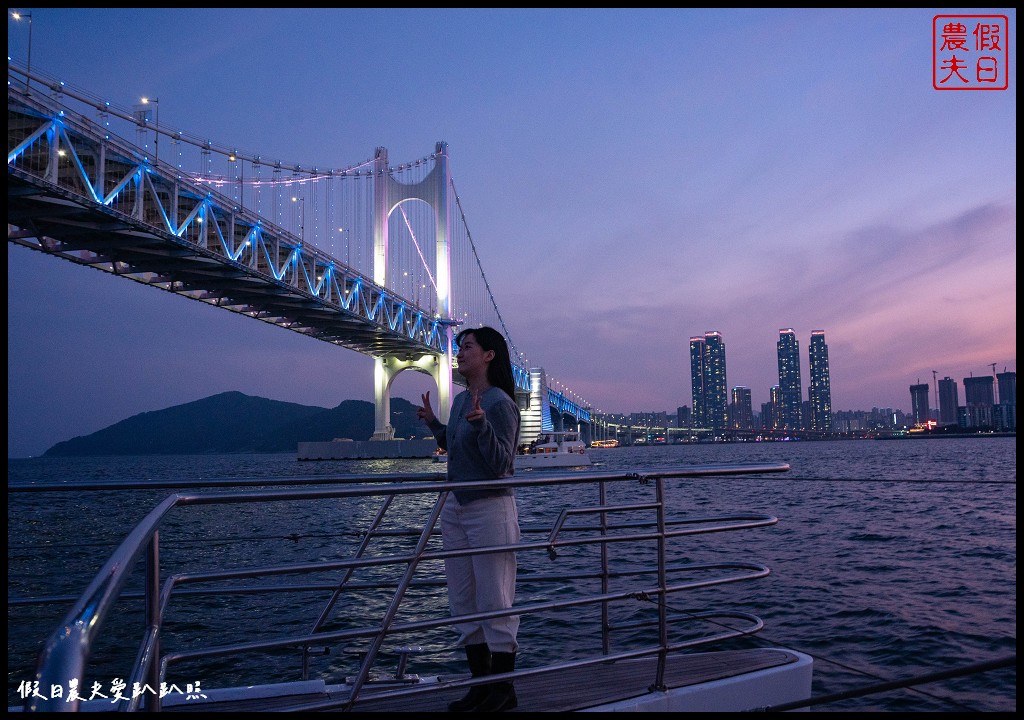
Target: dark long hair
point(499, 371)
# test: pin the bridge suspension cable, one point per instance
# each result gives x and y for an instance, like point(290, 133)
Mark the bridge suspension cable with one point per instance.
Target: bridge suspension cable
point(419, 250)
point(487, 285)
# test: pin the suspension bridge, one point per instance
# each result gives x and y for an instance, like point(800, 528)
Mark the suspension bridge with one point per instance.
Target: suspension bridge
point(373, 257)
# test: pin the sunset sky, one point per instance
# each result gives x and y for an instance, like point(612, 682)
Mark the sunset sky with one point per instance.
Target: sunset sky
point(631, 178)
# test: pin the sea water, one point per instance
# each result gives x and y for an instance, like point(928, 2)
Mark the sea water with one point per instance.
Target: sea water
point(891, 559)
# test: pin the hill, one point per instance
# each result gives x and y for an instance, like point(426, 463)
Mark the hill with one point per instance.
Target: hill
point(233, 422)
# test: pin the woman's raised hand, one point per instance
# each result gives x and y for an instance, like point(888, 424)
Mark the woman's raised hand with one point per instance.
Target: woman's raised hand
point(425, 413)
point(475, 412)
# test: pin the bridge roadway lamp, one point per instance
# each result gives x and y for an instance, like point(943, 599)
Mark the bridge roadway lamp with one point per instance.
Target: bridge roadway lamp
point(28, 72)
point(302, 217)
point(156, 141)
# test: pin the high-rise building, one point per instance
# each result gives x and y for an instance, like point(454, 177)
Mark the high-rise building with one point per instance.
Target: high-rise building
point(657, 418)
point(697, 378)
point(919, 409)
point(708, 383)
point(949, 401)
point(1006, 411)
point(820, 390)
point(790, 415)
point(682, 416)
point(742, 415)
point(1007, 388)
point(770, 410)
point(979, 400)
point(717, 395)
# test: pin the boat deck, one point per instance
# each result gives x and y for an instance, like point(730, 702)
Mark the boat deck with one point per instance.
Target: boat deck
point(549, 690)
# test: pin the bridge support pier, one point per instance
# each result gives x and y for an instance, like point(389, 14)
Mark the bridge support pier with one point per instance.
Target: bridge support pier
point(386, 369)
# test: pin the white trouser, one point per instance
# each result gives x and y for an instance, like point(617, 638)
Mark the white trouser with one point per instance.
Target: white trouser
point(485, 582)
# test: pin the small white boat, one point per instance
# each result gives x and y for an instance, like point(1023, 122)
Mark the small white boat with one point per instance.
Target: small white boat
point(560, 449)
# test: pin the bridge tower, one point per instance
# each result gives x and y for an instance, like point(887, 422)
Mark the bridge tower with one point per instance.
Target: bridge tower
point(388, 195)
point(536, 416)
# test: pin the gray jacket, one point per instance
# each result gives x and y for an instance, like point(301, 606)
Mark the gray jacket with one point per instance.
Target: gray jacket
point(481, 450)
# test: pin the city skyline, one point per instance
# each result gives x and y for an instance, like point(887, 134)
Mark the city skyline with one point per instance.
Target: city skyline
point(650, 174)
point(710, 383)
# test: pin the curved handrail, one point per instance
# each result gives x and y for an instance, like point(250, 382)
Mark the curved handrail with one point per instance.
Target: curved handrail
point(67, 650)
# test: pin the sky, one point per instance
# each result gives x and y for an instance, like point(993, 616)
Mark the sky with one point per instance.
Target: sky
point(631, 178)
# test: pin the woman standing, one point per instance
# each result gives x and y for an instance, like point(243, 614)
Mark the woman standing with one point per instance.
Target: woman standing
point(481, 439)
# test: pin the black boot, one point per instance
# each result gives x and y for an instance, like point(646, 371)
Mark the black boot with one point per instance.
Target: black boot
point(502, 695)
point(479, 657)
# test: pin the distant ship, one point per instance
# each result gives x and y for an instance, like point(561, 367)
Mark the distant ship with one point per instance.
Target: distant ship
point(559, 449)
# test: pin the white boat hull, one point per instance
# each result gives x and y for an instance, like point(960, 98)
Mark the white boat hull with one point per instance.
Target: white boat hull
point(552, 460)
point(580, 690)
point(741, 693)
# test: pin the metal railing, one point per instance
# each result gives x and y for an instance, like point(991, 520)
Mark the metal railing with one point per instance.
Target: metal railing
point(625, 522)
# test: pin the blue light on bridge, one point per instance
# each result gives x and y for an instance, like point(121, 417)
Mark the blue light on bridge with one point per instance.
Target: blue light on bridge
point(150, 201)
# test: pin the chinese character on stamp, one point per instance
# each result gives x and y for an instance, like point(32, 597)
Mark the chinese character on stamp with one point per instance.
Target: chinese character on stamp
point(970, 52)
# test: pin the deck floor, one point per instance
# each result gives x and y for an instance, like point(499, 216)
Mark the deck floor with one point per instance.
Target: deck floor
point(561, 690)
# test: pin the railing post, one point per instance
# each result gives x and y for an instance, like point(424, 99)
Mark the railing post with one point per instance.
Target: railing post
point(603, 502)
point(659, 680)
point(368, 536)
point(396, 601)
point(153, 619)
